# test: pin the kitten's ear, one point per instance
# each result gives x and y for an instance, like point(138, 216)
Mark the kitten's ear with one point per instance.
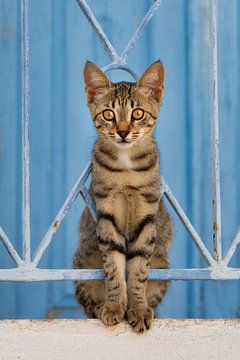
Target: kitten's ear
point(96, 82)
point(151, 83)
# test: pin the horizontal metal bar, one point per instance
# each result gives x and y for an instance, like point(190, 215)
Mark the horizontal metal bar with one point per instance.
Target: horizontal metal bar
point(98, 29)
point(232, 248)
point(33, 274)
point(10, 248)
point(62, 213)
point(139, 32)
point(216, 273)
point(187, 224)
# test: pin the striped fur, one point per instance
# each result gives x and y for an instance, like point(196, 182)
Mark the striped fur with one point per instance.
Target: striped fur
point(133, 230)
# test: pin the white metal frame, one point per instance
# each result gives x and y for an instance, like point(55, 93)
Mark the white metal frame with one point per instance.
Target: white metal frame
point(27, 264)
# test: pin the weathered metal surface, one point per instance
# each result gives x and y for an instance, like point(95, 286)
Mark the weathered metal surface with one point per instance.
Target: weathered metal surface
point(89, 202)
point(186, 222)
point(26, 246)
point(140, 30)
point(232, 248)
point(10, 248)
point(27, 270)
point(98, 30)
point(61, 214)
point(119, 66)
point(28, 274)
point(216, 196)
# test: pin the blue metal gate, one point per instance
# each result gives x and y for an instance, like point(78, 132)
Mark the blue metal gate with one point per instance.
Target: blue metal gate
point(28, 264)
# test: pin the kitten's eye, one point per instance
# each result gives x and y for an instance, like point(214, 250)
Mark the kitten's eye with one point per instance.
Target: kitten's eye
point(108, 115)
point(137, 114)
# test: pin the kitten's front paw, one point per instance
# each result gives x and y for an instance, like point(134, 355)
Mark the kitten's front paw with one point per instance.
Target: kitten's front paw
point(140, 317)
point(111, 314)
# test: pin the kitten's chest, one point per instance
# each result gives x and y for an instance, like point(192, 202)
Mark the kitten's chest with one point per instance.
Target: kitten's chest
point(126, 171)
point(125, 161)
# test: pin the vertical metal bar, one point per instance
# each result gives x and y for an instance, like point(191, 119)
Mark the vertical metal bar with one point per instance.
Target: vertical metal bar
point(26, 253)
point(216, 201)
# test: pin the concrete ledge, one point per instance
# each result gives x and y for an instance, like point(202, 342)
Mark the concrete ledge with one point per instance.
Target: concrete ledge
point(168, 339)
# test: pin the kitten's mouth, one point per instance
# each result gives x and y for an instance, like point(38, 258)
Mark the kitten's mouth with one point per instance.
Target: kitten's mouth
point(123, 141)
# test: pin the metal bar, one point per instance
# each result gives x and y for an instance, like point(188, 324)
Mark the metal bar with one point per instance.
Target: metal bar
point(232, 248)
point(10, 248)
point(216, 201)
point(89, 202)
point(29, 274)
point(61, 214)
point(139, 32)
point(162, 191)
point(119, 66)
point(187, 224)
point(98, 30)
point(27, 270)
point(26, 246)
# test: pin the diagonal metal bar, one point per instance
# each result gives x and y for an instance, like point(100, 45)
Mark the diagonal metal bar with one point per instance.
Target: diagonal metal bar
point(162, 191)
point(10, 248)
point(139, 32)
point(89, 202)
point(26, 252)
point(216, 201)
point(187, 224)
point(232, 248)
point(61, 214)
point(98, 30)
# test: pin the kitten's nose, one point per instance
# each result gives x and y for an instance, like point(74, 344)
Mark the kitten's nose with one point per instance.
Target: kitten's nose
point(123, 133)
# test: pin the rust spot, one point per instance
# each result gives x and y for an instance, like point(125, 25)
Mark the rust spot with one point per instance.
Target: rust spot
point(215, 247)
point(56, 224)
point(54, 314)
point(215, 226)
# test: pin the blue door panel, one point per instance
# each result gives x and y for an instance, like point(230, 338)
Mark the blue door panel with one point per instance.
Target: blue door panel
point(9, 141)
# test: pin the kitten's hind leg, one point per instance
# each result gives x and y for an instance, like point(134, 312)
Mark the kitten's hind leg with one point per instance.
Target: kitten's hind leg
point(91, 295)
point(155, 292)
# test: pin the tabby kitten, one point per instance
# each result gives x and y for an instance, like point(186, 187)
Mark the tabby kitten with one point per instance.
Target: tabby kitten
point(133, 229)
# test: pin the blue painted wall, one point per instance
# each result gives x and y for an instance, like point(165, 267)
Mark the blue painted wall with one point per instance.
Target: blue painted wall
point(61, 136)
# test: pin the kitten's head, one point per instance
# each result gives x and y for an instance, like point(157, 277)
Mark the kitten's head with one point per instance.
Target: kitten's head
point(124, 112)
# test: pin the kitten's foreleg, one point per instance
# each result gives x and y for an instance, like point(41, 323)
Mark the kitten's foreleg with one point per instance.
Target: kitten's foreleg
point(113, 250)
point(139, 253)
